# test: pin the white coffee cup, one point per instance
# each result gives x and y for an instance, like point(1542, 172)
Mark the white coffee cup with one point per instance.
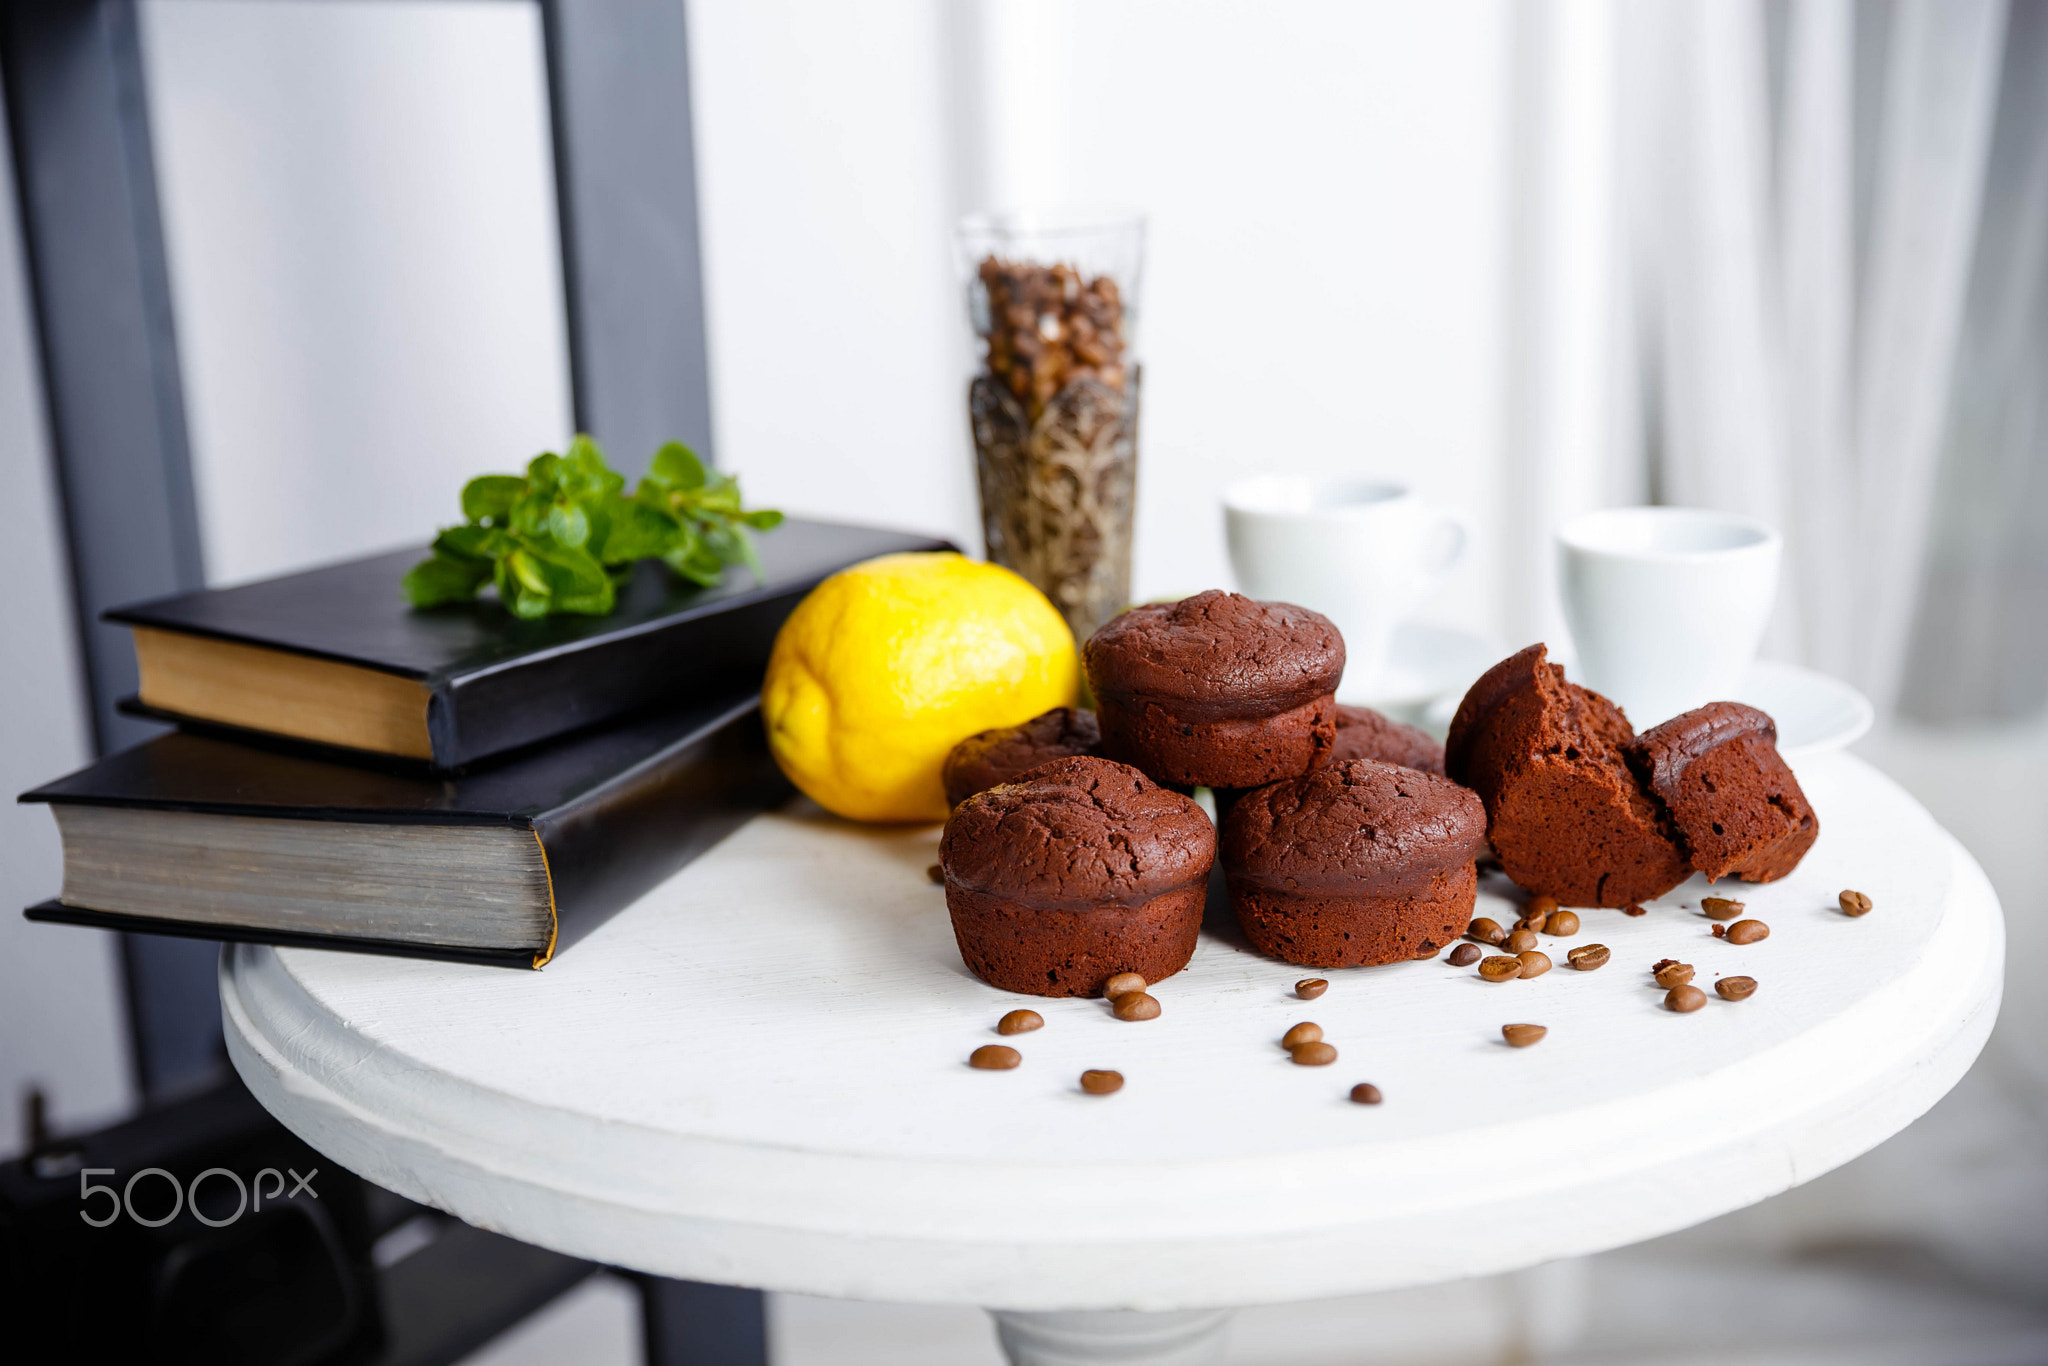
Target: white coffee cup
point(1363, 552)
point(1666, 605)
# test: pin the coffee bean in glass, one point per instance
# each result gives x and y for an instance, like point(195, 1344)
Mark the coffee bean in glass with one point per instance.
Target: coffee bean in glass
point(1098, 1082)
point(1684, 999)
point(1735, 988)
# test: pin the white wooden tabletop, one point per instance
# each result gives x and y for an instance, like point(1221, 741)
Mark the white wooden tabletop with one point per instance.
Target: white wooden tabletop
point(757, 1076)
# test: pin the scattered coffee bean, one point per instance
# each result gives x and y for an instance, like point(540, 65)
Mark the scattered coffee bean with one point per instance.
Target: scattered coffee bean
point(1098, 1083)
point(1684, 999)
point(1735, 988)
point(1720, 931)
point(1538, 906)
point(1308, 988)
point(1485, 931)
point(1020, 1022)
point(935, 873)
point(1562, 923)
point(1305, 1032)
point(1521, 941)
point(1748, 931)
point(1464, 956)
point(1123, 984)
point(1534, 962)
point(1670, 974)
point(1855, 904)
point(994, 1057)
point(1428, 950)
point(1586, 957)
point(1135, 1005)
point(1720, 907)
point(1318, 1054)
point(1633, 910)
point(1365, 1093)
point(1501, 967)
point(1522, 1035)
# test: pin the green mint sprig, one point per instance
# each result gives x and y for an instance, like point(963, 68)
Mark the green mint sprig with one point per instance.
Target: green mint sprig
point(564, 536)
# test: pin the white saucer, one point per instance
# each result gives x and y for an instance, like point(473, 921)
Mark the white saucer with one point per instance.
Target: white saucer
point(1423, 664)
point(1815, 712)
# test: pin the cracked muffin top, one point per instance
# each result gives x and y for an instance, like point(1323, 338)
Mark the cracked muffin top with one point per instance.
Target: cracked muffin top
point(1217, 653)
point(1359, 826)
point(1075, 833)
point(1363, 733)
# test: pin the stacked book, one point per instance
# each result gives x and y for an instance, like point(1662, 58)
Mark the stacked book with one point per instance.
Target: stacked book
point(449, 783)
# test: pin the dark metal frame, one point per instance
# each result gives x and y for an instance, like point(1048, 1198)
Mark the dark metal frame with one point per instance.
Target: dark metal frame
point(619, 98)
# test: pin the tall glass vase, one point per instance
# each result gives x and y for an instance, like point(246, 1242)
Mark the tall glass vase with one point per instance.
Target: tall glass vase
point(1054, 400)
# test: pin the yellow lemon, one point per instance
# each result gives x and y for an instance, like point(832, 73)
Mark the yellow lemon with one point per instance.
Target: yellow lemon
point(887, 665)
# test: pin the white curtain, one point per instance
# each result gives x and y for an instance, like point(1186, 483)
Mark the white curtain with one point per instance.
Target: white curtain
point(1803, 184)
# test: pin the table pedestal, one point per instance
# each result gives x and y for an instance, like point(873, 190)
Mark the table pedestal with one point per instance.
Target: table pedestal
point(1188, 1337)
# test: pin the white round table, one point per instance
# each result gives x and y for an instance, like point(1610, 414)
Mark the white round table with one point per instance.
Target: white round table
point(757, 1076)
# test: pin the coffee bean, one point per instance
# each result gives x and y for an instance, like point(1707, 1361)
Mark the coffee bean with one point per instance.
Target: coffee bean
point(1501, 967)
point(994, 1057)
point(1670, 974)
point(1532, 922)
point(1748, 931)
point(1305, 1032)
point(1020, 1022)
point(1562, 923)
point(1720, 907)
point(1855, 904)
point(1522, 1035)
point(1308, 988)
point(1538, 906)
point(1735, 988)
point(1586, 957)
point(1365, 1093)
point(1123, 984)
point(1135, 1005)
point(1534, 962)
point(1316, 1054)
point(1097, 1083)
point(1521, 941)
point(1685, 999)
point(1633, 910)
point(1485, 931)
point(1464, 956)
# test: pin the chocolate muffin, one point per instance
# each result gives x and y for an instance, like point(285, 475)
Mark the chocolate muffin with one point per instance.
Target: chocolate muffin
point(1077, 871)
point(1363, 733)
point(996, 756)
point(1717, 771)
point(1217, 690)
point(1563, 809)
point(1358, 863)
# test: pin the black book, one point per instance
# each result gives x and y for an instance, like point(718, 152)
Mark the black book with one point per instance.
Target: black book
point(337, 657)
point(506, 863)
